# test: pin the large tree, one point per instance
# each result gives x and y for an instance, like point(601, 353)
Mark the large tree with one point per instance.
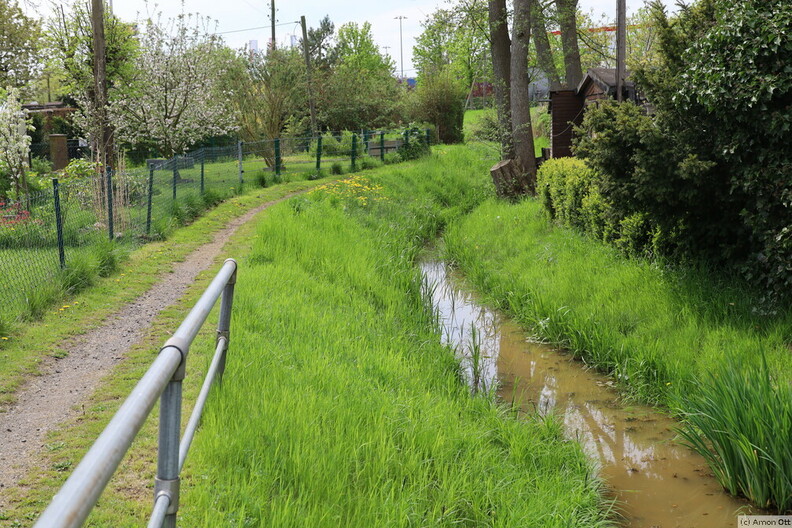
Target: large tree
point(361, 91)
point(20, 60)
point(174, 99)
point(70, 43)
point(500, 46)
point(520, 102)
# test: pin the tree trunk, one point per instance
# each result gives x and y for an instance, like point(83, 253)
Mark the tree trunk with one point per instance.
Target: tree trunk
point(508, 178)
point(544, 54)
point(500, 46)
point(567, 11)
point(520, 100)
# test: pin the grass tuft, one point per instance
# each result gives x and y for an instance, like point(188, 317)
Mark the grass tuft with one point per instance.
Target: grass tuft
point(740, 421)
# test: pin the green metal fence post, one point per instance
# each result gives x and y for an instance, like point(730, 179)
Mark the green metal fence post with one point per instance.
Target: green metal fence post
point(428, 136)
point(148, 205)
point(58, 222)
point(407, 138)
point(239, 157)
point(175, 172)
point(203, 161)
point(382, 147)
point(354, 150)
point(277, 157)
point(109, 189)
point(366, 135)
point(319, 153)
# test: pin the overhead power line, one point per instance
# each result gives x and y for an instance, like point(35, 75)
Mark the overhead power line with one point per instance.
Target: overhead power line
point(254, 28)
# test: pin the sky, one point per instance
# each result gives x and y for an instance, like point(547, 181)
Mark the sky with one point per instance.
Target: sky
point(237, 18)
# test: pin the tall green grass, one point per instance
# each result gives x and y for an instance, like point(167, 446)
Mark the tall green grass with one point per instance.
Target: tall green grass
point(741, 422)
point(660, 331)
point(340, 407)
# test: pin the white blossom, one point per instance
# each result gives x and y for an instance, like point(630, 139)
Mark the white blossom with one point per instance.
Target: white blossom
point(174, 100)
point(14, 141)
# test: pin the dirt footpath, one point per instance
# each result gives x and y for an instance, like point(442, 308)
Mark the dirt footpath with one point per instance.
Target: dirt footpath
point(47, 400)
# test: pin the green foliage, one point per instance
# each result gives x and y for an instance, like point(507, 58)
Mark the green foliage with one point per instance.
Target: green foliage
point(415, 144)
point(19, 42)
point(723, 99)
point(740, 421)
point(485, 127)
point(336, 169)
point(441, 101)
point(681, 199)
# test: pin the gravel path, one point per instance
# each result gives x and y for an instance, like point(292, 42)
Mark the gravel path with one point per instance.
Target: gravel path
point(47, 400)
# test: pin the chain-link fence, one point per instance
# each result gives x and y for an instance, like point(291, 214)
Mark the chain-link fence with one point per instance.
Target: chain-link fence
point(50, 236)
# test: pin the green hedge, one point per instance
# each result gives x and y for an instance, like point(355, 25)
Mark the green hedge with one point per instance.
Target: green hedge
point(569, 190)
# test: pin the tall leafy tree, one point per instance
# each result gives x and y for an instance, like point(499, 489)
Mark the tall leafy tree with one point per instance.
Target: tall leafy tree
point(362, 91)
point(20, 60)
point(69, 40)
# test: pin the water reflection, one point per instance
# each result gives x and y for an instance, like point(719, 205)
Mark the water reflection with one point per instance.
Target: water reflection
point(658, 482)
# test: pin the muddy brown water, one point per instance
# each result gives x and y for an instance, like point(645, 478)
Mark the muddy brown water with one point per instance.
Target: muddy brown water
point(657, 482)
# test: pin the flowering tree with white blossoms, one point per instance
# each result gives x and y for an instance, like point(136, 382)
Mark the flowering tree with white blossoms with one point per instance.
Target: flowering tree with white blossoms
point(175, 99)
point(14, 141)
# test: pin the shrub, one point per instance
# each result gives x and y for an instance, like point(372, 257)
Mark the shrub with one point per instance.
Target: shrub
point(730, 106)
point(487, 127)
point(393, 157)
point(260, 177)
point(368, 163)
point(336, 169)
point(569, 190)
point(441, 101)
point(414, 145)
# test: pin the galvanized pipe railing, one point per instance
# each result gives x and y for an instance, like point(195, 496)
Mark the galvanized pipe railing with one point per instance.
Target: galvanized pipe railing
point(75, 500)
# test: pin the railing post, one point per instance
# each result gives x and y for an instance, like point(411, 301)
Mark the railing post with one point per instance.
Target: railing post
point(239, 157)
point(354, 150)
point(366, 135)
point(277, 157)
point(428, 137)
point(224, 322)
point(110, 203)
point(167, 480)
point(382, 147)
point(58, 222)
point(150, 197)
point(407, 138)
point(318, 153)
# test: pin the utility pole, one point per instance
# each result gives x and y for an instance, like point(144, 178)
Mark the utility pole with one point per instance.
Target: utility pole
point(621, 47)
point(272, 41)
point(308, 75)
point(401, 45)
point(100, 79)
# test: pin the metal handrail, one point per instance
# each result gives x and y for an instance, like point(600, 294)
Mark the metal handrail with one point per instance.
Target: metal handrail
point(79, 494)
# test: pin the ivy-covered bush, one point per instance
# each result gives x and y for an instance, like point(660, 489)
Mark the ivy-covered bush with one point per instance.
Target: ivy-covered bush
point(709, 174)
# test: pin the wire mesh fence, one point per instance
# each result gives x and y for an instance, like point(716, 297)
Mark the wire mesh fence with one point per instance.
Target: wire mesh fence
point(69, 224)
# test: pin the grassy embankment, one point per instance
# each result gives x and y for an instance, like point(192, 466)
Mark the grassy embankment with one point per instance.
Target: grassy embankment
point(340, 407)
point(677, 337)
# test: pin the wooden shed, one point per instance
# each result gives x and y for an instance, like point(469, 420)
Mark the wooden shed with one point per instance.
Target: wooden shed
point(567, 106)
point(566, 112)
